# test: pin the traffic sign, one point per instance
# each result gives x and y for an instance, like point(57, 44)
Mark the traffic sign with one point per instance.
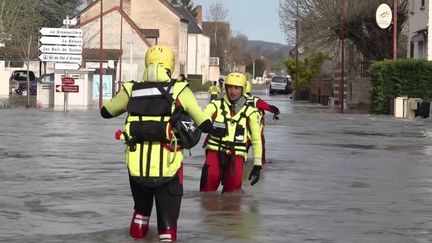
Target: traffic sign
point(66, 66)
point(68, 80)
point(67, 88)
point(61, 49)
point(61, 45)
point(61, 32)
point(60, 58)
point(70, 21)
point(60, 40)
point(56, 40)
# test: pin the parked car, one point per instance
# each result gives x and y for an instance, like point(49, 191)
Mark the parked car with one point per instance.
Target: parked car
point(22, 88)
point(280, 84)
point(47, 78)
point(17, 77)
point(44, 79)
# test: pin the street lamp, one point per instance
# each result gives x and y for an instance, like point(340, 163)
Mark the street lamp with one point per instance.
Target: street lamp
point(253, 67)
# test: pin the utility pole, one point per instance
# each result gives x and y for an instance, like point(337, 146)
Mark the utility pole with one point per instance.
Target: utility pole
point(342, 58)
point(297, 43)
point(395, 7)
point(121, 49)
point(101, 56)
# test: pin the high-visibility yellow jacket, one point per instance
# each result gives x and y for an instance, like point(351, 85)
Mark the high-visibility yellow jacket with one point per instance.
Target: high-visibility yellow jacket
point(157, 160)
point(214, 89)
point(240, 125)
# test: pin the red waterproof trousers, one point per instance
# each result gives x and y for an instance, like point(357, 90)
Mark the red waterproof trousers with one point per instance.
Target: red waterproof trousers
point(219, 168)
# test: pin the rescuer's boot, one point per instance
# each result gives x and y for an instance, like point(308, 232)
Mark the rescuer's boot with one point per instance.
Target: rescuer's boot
point(139, 226)
point(168, 235)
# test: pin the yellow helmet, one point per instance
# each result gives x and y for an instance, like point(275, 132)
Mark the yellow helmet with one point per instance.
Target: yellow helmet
point(160, 55)
point(236, 79)
point(248, 88)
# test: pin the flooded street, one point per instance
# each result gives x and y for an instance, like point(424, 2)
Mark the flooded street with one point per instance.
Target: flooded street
point(331, 178)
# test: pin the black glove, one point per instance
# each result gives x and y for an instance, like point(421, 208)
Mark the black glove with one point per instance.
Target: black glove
point(206, 126)
point(275, 112)
point(255, 174)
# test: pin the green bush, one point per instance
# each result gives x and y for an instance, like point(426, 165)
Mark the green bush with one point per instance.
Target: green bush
point(206, 86)
point(195, 82)
point(393, 78)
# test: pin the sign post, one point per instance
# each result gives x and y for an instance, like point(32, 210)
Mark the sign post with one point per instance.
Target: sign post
point(384, 19)
point(63, 46)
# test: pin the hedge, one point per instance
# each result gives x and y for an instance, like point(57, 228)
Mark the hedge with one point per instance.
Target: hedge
point(403, 77)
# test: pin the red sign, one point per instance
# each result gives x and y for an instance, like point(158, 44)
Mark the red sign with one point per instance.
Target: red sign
point(70, 88)
point(68, 80)
point(67, 88)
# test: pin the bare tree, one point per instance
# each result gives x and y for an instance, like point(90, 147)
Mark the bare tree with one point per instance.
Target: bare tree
point(218, 29)
point(320, 24)
point(236, 48)
point(217, 14)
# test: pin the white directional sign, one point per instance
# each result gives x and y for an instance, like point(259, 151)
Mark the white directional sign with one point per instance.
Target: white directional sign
point(60, 58)
point(61, 49)
point(62, 46)
point(61, 32)
point(60, 40)
point(66, 66)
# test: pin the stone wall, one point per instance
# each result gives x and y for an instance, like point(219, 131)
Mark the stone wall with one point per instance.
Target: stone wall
point(359, 92)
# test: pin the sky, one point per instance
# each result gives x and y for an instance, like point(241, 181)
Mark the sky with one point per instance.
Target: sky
point(257, 19)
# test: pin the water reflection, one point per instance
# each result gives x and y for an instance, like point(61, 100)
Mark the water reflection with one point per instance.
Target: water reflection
point(230, 215)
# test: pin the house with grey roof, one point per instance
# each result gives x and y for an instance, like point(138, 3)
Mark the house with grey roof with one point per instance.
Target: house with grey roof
point(198, 54)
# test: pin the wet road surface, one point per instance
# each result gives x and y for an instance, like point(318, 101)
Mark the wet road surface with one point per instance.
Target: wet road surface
point(331, 178)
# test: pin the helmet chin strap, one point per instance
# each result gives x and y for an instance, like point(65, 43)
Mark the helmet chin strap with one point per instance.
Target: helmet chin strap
point(168, 72)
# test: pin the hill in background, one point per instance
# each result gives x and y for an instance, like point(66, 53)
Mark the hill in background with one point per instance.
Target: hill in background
point(274, 53)
point(268, 49)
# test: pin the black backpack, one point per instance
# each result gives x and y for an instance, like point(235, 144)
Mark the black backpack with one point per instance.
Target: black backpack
point(188, 132)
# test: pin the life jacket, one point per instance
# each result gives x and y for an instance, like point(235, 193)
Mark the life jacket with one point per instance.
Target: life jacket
point(214, 89)
point(237, 128)
point(152, 156)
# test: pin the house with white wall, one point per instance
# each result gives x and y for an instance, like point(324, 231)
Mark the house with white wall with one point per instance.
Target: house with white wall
point(419, 29)
point(198, 54)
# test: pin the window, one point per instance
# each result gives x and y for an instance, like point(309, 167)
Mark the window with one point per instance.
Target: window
point(412, 6)
point(411, 54)
point(214, 61)
point(421, 50)
point(422, 6)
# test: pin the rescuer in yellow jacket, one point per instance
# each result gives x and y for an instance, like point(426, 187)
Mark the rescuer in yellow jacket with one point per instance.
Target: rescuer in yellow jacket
point(262, 106)
point(234, 121)
point(214, 91)
point(153, 155)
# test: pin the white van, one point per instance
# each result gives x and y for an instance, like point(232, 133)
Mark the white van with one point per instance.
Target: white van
point(280, 84)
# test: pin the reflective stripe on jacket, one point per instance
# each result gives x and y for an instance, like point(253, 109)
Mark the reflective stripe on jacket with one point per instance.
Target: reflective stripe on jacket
point(152, 159)
point(243, 124)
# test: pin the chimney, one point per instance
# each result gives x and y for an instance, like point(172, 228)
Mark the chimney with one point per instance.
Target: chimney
point(198, 15)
